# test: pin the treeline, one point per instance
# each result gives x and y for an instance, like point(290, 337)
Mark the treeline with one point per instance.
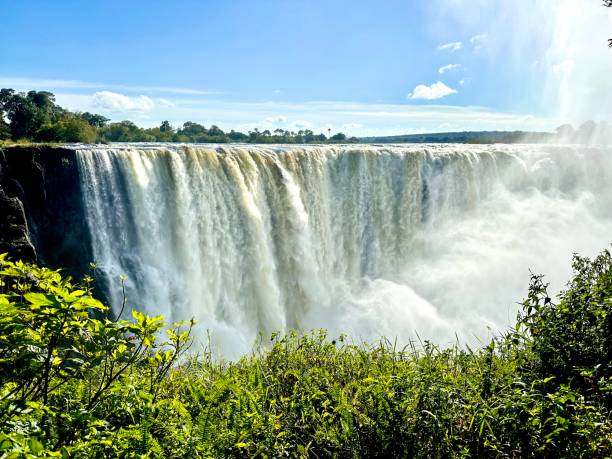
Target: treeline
point(35, 116)
point(589, 132)
point(475, 137)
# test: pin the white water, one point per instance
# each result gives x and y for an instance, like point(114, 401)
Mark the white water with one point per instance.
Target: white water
point(363, 240)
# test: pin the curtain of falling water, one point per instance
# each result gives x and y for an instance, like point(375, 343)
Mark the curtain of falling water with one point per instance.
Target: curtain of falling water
point(368, 240)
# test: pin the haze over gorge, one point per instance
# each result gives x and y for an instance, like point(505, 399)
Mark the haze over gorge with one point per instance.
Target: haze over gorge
point(394, 241)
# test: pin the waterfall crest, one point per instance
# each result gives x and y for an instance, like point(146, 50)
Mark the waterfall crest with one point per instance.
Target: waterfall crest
point(367, 240)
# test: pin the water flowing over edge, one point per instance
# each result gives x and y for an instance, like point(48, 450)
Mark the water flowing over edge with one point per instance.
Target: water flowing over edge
point(363, 240)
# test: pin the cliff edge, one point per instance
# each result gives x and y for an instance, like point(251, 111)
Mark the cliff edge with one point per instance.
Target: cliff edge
point(42, 214)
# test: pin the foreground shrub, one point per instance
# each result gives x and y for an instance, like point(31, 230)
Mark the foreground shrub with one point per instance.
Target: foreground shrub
point(74, 383)
point(572, 338)
point(67, 371)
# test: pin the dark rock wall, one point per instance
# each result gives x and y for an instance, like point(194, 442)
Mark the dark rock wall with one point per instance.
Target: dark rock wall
point(14, 232)
point(42, 214)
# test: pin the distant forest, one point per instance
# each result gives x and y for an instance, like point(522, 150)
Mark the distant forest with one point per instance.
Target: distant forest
point(467, 137)
point(588, 132)
point(35, 117)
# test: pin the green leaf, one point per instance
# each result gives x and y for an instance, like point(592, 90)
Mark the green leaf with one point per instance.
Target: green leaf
point(40, 299)
point(35, 446)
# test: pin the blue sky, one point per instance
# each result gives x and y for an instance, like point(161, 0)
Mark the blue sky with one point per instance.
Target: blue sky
point(361, 66)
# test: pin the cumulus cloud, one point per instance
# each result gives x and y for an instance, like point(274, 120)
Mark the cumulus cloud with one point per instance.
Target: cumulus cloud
point(448, 68)
point(478, 41)
point(452, 47)
point(464, 81)
point(115, 102)
point(435, 91)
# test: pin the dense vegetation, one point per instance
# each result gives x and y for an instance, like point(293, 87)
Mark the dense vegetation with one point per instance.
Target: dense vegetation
point(75, 382)
point(34, 116)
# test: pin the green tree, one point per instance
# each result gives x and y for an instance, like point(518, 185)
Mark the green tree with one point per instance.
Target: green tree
point(237, 136)
point(165, 126)
point(73, 129)
point(97, 121)
point(159, 135)
point(125, 131)
point(215, 131)
point(28, 113)
point(192, 130)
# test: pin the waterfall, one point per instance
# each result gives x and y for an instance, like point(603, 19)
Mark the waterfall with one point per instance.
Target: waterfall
point(364, 240)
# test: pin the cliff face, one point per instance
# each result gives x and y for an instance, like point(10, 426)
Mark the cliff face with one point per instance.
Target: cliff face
point(41, 208)
point(14, 232)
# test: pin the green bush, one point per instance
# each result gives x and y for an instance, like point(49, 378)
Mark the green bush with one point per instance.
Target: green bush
point(572, 337)
point(67, 371)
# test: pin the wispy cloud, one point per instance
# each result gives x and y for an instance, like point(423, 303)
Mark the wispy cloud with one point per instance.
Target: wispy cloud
point(478, 41)
point(432, 92)
point(44, 83)
point(452, 47)
point(115, 102)
point(165, 102)
point(449, 68)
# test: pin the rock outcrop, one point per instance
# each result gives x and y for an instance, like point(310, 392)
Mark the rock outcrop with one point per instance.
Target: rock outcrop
point(14, 231)
point(42, 216)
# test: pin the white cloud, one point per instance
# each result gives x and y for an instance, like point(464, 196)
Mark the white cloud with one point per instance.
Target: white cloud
point(435, 91)
point(478, 41)
point(464, 81)
point(452, 47)
point(115, 102)
point(448, 68)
